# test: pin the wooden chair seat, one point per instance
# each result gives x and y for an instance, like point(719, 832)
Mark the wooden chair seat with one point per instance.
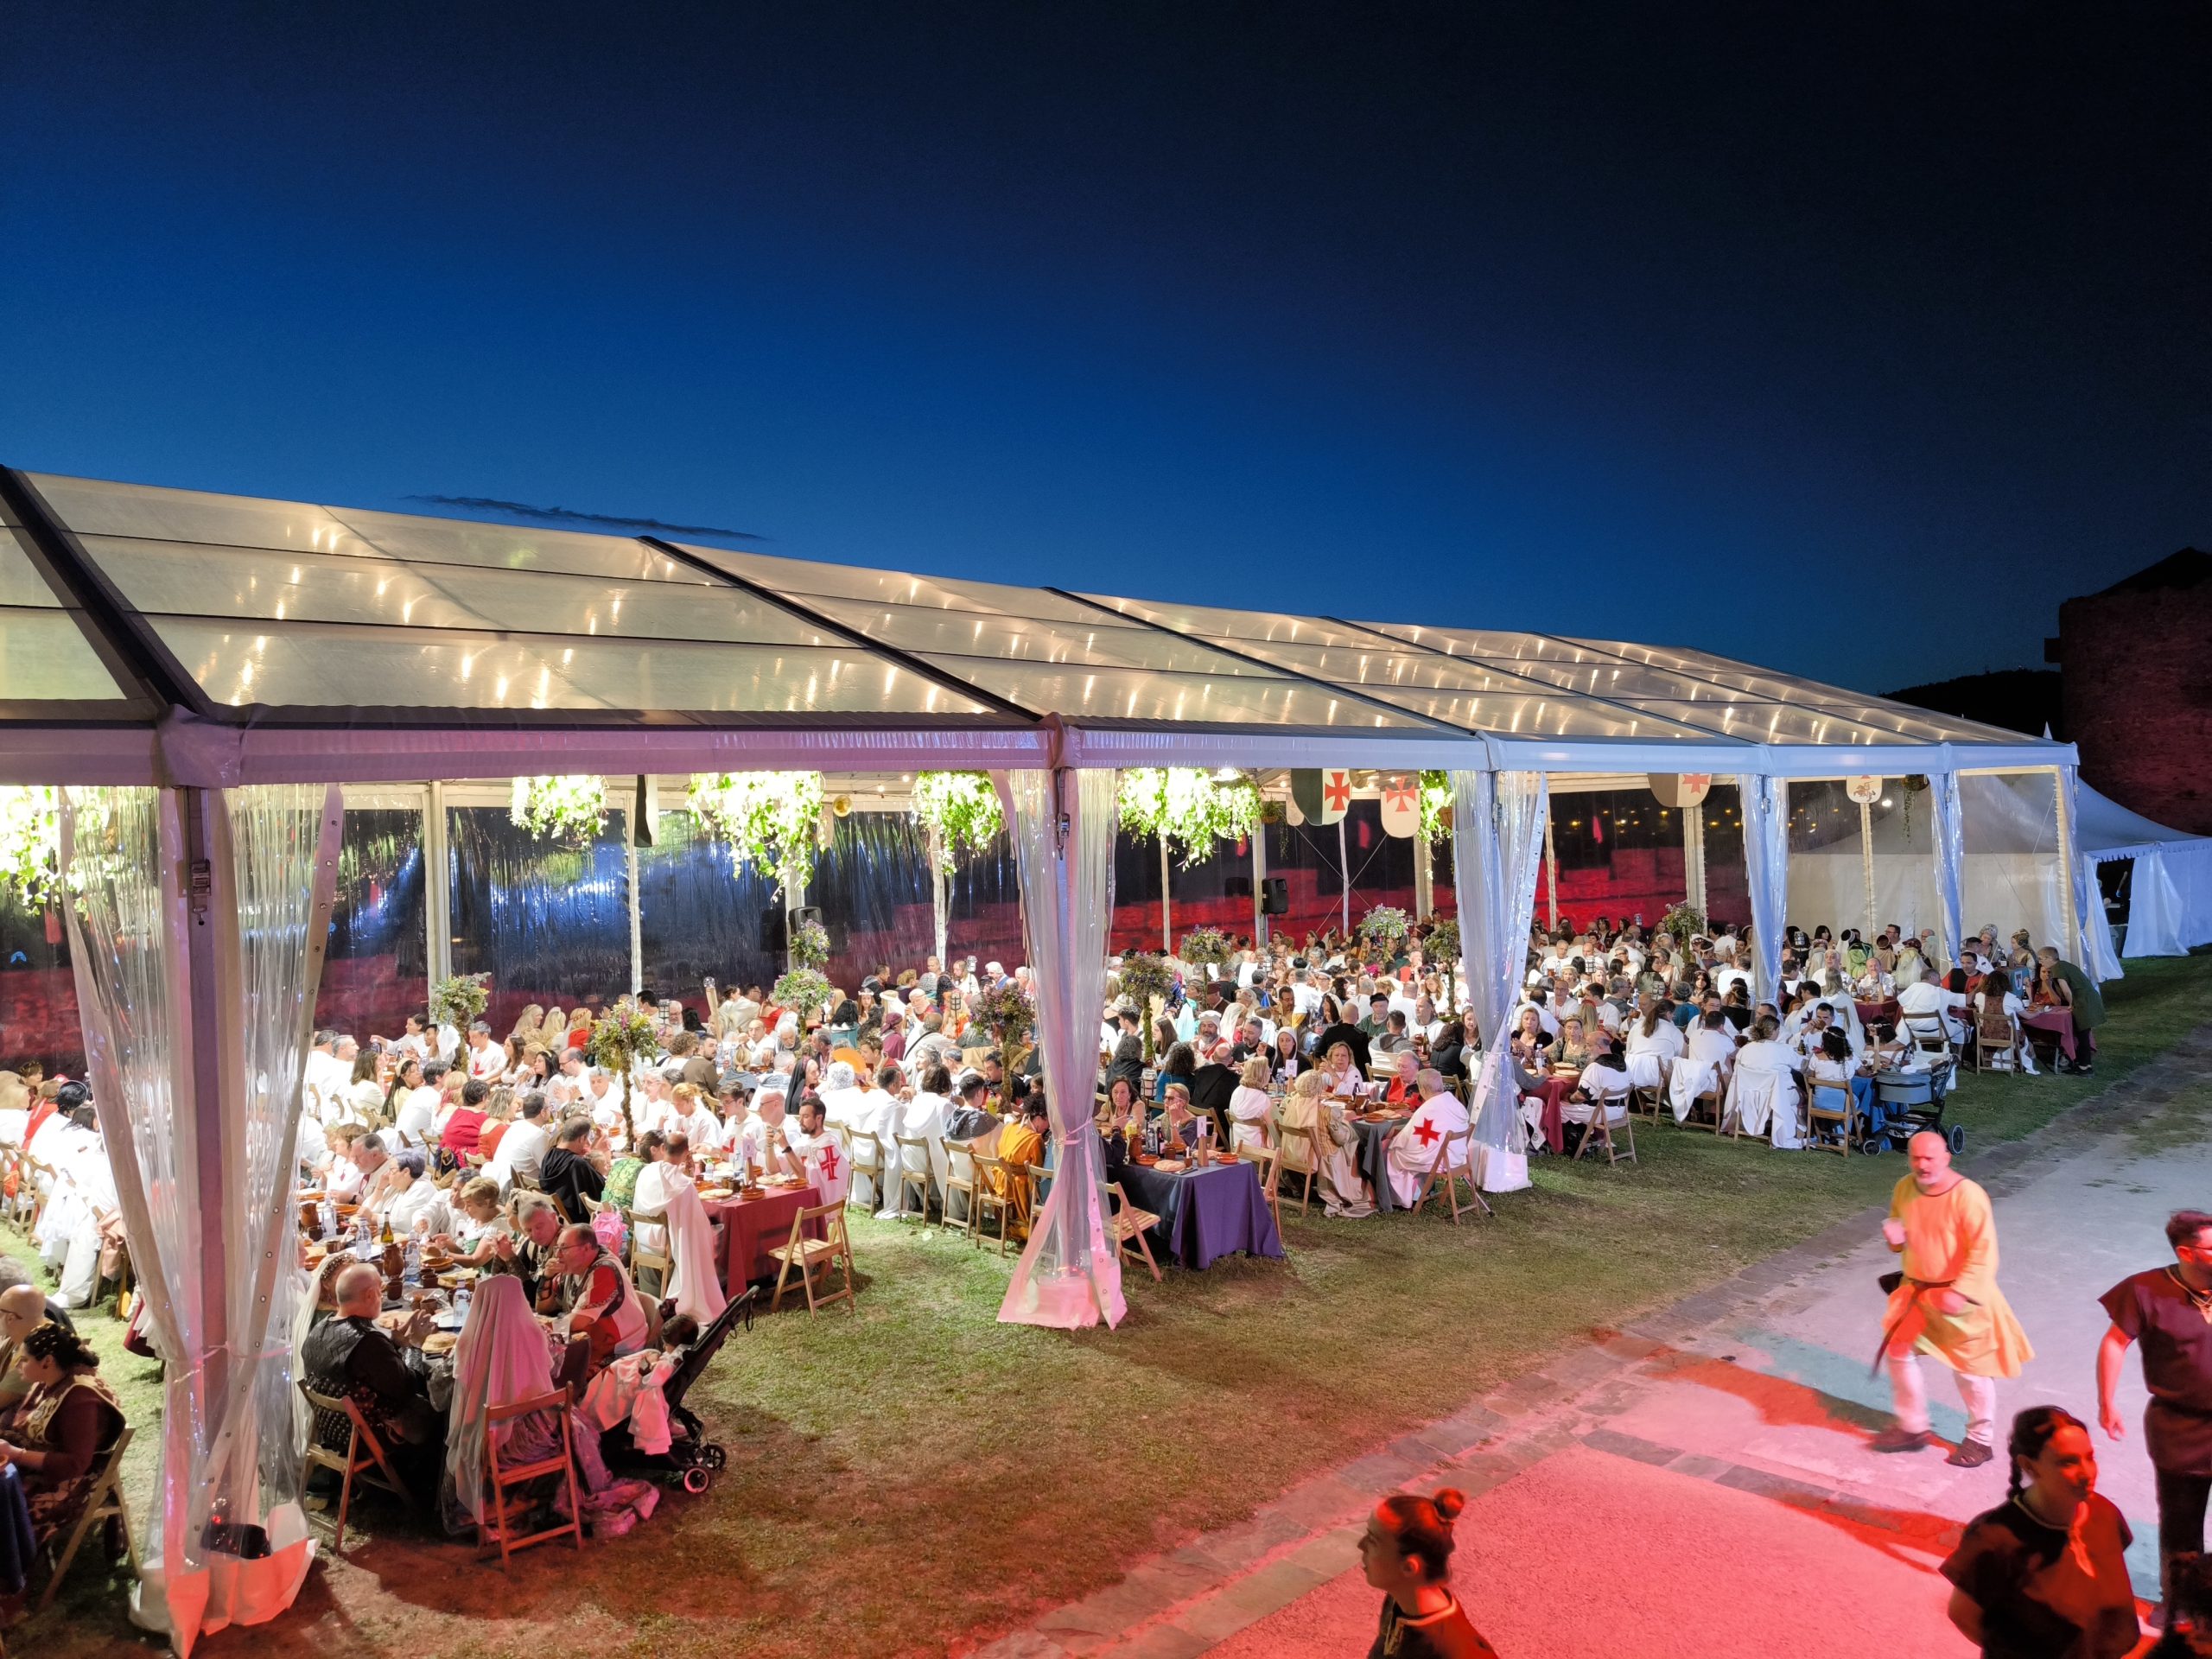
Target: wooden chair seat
point(505, 1478)
point(364, 1460)
point(103, 1502)
point(1451, 1175)
point(833, 1251)
point(1129, 1224)
point(657, 1259)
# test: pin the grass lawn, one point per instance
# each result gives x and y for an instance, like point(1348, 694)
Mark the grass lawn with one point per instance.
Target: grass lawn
point(920, 1478)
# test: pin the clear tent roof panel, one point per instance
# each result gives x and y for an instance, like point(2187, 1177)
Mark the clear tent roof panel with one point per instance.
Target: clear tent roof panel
point(1096, 641)
point(812, 583)
point(327, 666)
point(44, 655)
point(1244, 630)
point(1153, 694)
point(196, 579)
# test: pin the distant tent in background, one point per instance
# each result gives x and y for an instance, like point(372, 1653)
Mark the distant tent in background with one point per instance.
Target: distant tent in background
point(2170, 889)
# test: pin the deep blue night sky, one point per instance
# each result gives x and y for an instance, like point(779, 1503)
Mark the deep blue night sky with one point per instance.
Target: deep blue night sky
point(1847, 344)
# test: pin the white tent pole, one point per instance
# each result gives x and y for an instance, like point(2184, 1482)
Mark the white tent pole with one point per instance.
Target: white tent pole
point(1167, 935)
point(1424, 878)
point(2067, 854)
point(1259, 886)
point(1693, 857)
point(1343, 867)
point(1866, 864)
point(940, 903)
point(1551, 875)
point(437, 887)
point(637, 925)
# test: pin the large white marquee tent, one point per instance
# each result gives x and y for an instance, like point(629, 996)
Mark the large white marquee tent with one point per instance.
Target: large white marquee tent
point(200, 672)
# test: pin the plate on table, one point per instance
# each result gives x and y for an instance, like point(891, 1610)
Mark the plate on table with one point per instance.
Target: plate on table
point(716, 1192)
point(440, 1342)
point(1171, 1165)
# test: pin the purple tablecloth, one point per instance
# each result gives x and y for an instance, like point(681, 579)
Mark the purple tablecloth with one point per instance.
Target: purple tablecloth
point(2054, 1022)
point(1205, 1214)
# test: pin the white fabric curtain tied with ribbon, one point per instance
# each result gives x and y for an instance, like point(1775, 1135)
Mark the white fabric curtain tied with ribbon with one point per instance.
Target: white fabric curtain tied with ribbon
point(1494, 859)
point(197, 926)
point(1062, 821)
point(1766, 868)
point(1950, 858)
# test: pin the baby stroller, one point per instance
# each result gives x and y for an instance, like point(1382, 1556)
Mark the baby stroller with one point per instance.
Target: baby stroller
point(1912, 1102)
point(691, 1458)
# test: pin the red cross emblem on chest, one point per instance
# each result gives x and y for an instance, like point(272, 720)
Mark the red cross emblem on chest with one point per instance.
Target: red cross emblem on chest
point(1428, 1133)
point(1336, 791)
point(829, 1162)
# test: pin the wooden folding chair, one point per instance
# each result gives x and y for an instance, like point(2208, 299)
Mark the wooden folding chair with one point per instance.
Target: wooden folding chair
point(1993, 1034)
point(864, 1156)
point(1600, 1129)
point(961, 1175)
point(659, 1259)
point(102, 1502)
point(1309, 1137)
point(1451, 1175)
point(364, 1458)
point(918, 1179)
point(1269, 1161)
point(991, 1191)
point(1830, 1107)
point(1128, 1224)
point(811, 1255)
point(502, 1480)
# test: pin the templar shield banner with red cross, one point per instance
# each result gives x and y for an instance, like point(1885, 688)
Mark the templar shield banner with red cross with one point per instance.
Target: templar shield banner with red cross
point(1321, 796)
point(1401, 805)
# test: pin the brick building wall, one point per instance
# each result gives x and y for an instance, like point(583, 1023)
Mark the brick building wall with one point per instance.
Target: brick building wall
point(2136, 663)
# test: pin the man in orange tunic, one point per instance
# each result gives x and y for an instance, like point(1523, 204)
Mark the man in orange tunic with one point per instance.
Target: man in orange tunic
point(1948, 1304)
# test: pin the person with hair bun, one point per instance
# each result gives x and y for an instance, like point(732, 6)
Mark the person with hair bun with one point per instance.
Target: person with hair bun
point(1406, 1554)
point(56, 1435)
point(2045, 1572)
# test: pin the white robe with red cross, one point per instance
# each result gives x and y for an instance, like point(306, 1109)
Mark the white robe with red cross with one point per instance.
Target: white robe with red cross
point(1414, 1148)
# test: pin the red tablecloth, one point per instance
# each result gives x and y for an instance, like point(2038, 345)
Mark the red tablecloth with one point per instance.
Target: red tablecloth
point(1555, 1091)
point(1869, 1013)
point(753, 1227)
point(2059, 1022)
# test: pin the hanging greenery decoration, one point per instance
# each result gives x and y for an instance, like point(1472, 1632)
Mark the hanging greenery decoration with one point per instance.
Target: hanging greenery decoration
point(1683, 923)
point(1916, 785)
point(1007, 1013)
point(560, 809)
point(803, 990)
point(1188, 807)
point(1206, 947)
point(770, 819)
point(30, 842)
point(1385, 925)
point(1436, 798)
point(1147, 976)
point(1440, 948)
point(620, 1038)
point(960, 810)
point(460, 1000)
point(809, 945)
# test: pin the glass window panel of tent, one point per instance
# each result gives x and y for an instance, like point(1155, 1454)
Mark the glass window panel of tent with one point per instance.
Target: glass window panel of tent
point(1813, 694)
point(377, 972)
point(549, 920)
point(318, 665)
point(827, 588)
point(97, 507)
point(1133, 694)
point(21, 584)
point(193, 579)
point(1775, 722)
point(45, 658)
point(1241, 629)
point(411, 538)
point(1096, 641)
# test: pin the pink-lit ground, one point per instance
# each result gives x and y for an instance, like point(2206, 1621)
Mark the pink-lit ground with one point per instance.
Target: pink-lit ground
point(1645, 1557)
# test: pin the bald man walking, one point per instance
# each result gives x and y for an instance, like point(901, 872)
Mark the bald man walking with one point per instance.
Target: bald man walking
point(1946, 1303)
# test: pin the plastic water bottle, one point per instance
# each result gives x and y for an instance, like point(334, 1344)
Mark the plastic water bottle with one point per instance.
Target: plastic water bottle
point(461, 1299)
point(329, 1217)
point(410, 1272)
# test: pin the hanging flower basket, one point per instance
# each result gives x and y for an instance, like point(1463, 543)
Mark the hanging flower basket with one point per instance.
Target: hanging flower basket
point(1441, 945)
point(1189, 808)
point(1436, 798)
point(804, 990)
point(30, 842)
point(622, 1036)
point(460, 1000)
point(560, 809)
point(960, 810)
point(1385, 925)
point(1145, 976)
point(771, 819)
point(1682, 923)
point(1206, 947)
point(809, 945)
point(1008, 1015)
